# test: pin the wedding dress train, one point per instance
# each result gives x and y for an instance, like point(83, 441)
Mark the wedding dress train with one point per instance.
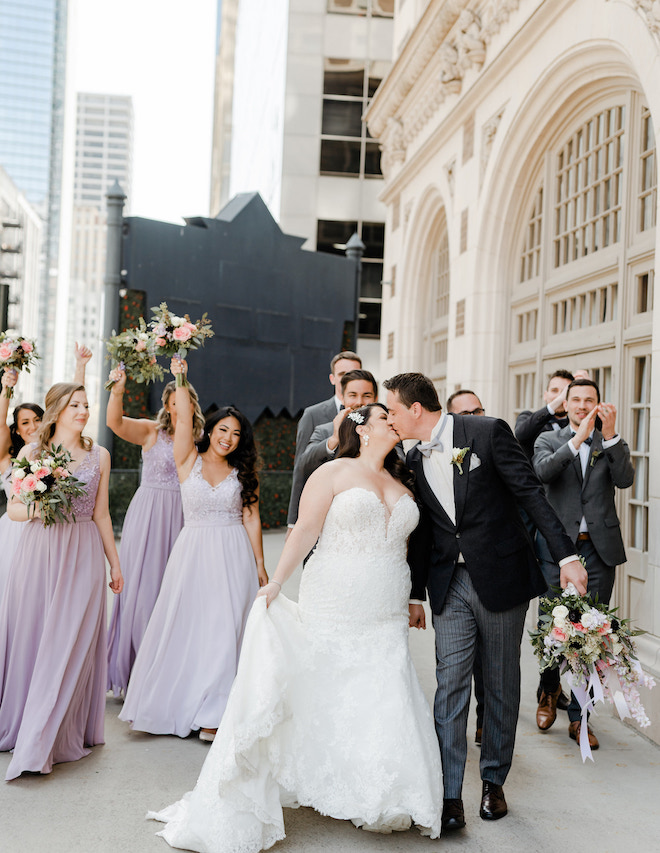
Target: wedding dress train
point(326, 709)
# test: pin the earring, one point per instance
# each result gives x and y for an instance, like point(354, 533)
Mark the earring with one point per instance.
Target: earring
point(366, 440)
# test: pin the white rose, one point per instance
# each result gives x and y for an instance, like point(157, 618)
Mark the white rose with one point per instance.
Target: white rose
point(587, 620)
point(560, 612)
point(41, 486)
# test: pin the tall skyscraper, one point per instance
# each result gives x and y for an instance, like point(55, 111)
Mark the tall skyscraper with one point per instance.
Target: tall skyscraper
point(33, 88)
point(103, 155)
point(292, 84)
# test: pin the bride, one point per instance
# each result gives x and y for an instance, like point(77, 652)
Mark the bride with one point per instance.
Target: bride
point(326, 709)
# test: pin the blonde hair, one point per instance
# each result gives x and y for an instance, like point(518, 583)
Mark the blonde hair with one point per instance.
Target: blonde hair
point(164, 419)
point(57, 399)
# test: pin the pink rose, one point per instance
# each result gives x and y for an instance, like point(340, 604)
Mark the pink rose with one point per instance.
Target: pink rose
point(42, 472)
point(182, 333)
point(558, 634)
point(579, 627)
point(16, 485)
point(140, 346)
point(160, 342)
point(29, 483)
point(5, 352)
point(60, 472)
point(191, 326)
point(26, 346)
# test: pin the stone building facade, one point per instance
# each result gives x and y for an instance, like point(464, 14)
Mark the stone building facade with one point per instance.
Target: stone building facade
point(519, 155)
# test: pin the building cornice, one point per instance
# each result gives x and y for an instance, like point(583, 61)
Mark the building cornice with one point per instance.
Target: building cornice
point(449, 39)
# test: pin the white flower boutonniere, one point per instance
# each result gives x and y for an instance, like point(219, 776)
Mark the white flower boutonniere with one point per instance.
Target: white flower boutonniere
point(458, 454)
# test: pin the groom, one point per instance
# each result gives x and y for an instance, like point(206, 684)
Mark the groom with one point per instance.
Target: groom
point(472, 552)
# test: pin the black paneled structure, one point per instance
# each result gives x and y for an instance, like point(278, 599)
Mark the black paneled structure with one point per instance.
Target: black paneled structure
point(278, 312)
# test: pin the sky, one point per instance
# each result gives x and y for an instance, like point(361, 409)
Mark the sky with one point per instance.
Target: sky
point(162, 52)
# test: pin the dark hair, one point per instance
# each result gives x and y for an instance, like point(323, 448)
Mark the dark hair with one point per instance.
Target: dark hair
point(353, 375)
point(16, 441)
point(576, 383)
point(244, 458)
point(348, 355)
point(458, 394)
point(414, 388)
point(562, 374)
point(349, 446)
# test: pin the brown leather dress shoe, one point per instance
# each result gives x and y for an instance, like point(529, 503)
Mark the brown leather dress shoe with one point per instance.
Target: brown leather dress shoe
point(477, 735)
point(574, 732)
point(546, 713)
point(453, 816)
point(493, 804)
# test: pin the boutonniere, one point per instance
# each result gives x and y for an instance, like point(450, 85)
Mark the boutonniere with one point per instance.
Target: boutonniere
point(458, 454)
point(594, 456)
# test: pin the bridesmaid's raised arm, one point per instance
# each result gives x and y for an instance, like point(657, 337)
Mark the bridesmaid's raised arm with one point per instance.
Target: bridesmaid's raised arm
point(82, 355)
point(185, 451)
point(9, 379)
point(135, 430)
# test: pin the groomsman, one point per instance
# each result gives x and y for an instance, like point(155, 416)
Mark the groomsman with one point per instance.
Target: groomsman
point(552, 416)
point(319, 413)
point(358, 388)
point(472, 552)
point(464, 402)
point(581, 466)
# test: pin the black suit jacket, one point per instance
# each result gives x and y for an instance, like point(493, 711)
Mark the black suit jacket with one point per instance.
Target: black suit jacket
point(529, 425)
point(489, 532)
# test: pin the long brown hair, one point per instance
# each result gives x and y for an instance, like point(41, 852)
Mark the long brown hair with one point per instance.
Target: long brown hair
point(349, 445)
point(57, 399)
point(164, 419)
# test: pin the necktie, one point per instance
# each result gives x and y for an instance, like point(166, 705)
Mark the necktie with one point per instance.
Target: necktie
point(425, 448)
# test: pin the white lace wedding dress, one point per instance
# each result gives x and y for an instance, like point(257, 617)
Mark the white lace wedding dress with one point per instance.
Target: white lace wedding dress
point(326, 709)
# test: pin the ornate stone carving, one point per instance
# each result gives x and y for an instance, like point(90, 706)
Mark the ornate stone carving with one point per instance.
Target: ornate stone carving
point(488, 133)
point(495, 15)
point(392, 145)
point(469, 43)
point(650, 12)
point(449, 70)
point(450, 173)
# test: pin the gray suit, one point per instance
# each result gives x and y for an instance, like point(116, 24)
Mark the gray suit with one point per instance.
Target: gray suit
point(319, 413)
point(316, 452)
point(592, 497)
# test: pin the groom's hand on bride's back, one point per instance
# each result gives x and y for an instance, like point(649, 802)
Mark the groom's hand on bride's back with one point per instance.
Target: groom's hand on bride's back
point(417, 616)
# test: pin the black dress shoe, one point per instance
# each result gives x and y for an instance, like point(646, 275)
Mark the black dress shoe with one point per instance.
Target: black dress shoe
point(478, 734)
point(563, 702)
point(493, 804)
point(453, 816)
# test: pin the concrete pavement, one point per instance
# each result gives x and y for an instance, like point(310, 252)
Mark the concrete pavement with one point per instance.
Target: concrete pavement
point(97, 805)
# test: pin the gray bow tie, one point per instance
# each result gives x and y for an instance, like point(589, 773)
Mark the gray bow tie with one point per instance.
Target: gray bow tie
point(425, 448)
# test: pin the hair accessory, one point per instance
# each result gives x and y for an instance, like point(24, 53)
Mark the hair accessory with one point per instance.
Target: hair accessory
point(356, 417)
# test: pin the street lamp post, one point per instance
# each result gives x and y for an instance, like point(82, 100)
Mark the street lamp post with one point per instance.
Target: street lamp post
point(355, 250)
point(111, 284)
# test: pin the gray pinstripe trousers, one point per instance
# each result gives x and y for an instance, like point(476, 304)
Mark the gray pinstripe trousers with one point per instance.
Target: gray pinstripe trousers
point(463, 623)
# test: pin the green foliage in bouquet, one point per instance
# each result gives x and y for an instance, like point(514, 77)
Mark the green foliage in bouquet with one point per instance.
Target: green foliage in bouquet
point(134, 350)
point(48, 482)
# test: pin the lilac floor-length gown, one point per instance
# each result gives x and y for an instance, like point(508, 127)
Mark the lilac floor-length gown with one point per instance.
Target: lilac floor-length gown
point(153, 522)
point(187, 661)
point(10, 534)
point(52, 638)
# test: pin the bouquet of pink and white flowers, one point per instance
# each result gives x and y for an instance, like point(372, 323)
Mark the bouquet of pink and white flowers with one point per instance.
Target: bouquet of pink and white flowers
point(16, 353)
point(134, 350)
point(47, 481)
point(176, 335)
point(597, 652)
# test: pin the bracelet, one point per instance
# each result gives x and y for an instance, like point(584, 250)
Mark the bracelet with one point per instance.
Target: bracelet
point(277, 582)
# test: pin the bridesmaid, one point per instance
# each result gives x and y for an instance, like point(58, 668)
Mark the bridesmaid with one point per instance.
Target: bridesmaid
point(53, 616)
point(26, 422)
point(187, 662)
point(153, 522)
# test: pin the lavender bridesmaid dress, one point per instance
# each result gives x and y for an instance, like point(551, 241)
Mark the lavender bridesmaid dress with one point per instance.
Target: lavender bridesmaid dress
point(187, 661)
point(153, 522)
point(10, 534)
point(52, 639)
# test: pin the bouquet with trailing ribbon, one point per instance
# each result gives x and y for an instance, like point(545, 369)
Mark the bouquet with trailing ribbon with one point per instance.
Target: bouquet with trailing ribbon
point(176, 335)
point(47, 481)
point(134, 351)
point(597, 652)
point(16, 353)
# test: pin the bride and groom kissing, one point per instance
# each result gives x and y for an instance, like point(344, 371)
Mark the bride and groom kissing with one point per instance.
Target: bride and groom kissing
point(326, 710)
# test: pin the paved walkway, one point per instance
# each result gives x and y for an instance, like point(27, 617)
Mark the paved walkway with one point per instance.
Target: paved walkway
point(556, 803)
